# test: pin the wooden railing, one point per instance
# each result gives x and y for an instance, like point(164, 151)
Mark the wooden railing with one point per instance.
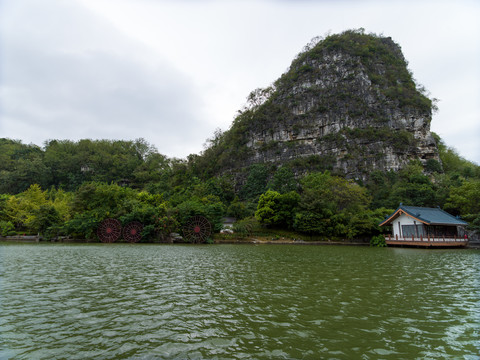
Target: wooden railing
point(433, 240)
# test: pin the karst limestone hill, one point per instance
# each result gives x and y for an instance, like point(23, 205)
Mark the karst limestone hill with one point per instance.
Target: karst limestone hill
point(348, 103)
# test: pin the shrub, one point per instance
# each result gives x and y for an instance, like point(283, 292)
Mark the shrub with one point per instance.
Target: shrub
point(6, 228)
point(245, 226)
point(378, 241)
point(433, 165)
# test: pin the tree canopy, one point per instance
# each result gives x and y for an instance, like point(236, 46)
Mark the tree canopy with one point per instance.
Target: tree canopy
point(66, 188)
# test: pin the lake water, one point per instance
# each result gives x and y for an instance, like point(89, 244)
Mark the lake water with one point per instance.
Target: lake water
point(237, 302)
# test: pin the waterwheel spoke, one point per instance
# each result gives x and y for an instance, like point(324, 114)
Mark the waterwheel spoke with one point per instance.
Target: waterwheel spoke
point(197, 229)
point(132, 232)
point(109, 230)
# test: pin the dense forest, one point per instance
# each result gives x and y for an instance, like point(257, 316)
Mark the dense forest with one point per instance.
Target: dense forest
point(67, 188)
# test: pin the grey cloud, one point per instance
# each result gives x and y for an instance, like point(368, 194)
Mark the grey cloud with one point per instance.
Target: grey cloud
point(61, 91)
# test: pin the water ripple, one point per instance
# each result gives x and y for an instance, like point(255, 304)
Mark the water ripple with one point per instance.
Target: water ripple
point(237, 302)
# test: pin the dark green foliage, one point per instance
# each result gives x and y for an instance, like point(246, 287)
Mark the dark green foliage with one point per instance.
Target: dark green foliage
point(83, 225)
point(474, 222)
point(329, 206)
point(166, 224)
point(432, 166)
point(283, 181)
point(277, 210)
point(3, 207)
point(414, 193)
point(46, 221)
point(256, 182)
point(453, 163)
point(239, 209)
point(409, 186)
point(95, 202)
point(6, 228)
point(20, 166)
point(72, 163)
point(378, 241)
point(334, 207)
point(107, 200)
point(465, 201)
point(245, 226)
point(222, 187)
point(67, 164)
point(380, 186)
point(212, 209)
point(147, 215)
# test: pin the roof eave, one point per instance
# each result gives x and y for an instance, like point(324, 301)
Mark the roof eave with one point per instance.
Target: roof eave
point(399, 212)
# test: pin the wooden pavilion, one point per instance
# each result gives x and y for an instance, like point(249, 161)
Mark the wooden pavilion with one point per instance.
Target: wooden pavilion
point(425, 227)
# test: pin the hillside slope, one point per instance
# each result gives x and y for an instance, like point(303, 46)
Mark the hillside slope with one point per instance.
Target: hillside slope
point(347, 103)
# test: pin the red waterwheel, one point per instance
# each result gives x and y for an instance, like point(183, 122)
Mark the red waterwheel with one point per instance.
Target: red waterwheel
point(197, 229)
point(109, 230)
point(132, 232)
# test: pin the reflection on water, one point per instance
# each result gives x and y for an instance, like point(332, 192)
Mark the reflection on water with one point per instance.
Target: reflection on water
point(237, 302)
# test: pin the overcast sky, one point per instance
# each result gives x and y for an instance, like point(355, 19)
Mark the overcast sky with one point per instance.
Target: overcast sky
point(172, 71)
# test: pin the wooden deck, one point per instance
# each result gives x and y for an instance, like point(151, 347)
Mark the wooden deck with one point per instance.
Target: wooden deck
point(426, 241)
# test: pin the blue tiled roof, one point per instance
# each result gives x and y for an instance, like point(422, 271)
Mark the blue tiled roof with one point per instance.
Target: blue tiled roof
point(430, 216)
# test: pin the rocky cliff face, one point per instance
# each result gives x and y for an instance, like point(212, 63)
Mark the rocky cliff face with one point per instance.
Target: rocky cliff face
point(347, 103)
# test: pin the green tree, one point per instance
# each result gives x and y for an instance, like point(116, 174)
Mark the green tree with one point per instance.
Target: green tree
point(239, 209)
point(266, 213)
point(210, 207)
point(380, 186)
point(45, 221)
point(283, 181)
point(3, 207)
point(20, 166)
point(277, 209)
point(24, 207)
point(342, 194)
point(6, 228)
point(133, 162)
point(453, 163)
point(67, 167)
point(82, 225)
point(331, 206)
point(256, 182)
point(153, 173)
point(378, 241)
point(165, 224)
point(62, 201)
point(95, 202)
point(465, 201)
point(37, 211)
point(412, 188)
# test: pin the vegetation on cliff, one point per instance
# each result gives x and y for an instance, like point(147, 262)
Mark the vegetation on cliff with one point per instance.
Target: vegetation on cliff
point(348, 100)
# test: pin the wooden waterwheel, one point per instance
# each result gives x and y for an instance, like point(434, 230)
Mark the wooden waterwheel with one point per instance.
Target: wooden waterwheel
point(132, 232)
point(197, 229)
point(109, 230)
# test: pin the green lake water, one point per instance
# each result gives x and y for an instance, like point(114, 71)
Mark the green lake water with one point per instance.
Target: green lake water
point(237, 302)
